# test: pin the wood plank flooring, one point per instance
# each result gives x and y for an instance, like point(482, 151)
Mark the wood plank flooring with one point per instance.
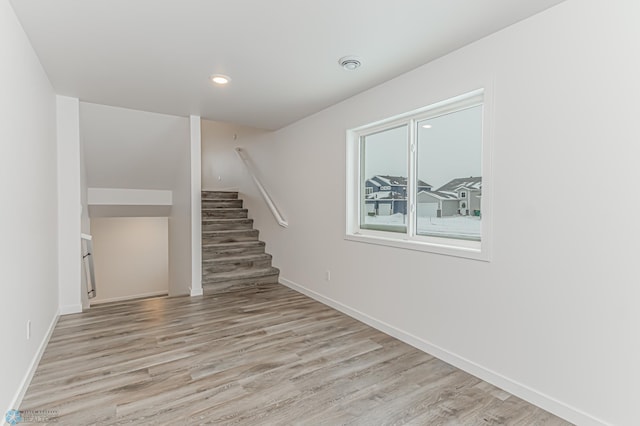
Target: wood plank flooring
point(260, 356)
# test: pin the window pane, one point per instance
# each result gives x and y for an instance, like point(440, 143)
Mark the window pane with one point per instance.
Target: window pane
point(383, 194)
point(449, 171)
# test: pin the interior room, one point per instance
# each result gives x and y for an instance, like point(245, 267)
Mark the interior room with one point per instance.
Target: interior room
point(294, 221)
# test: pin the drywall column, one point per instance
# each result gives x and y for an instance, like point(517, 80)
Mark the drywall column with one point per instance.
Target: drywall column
point(180, 246)
point(196, 221)
point(69, 205)
point(85, 222)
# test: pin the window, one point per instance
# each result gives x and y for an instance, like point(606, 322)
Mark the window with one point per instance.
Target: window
point(384, 158)
point(431, 171)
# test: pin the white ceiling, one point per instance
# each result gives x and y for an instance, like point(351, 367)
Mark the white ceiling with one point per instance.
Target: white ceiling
point(157, 55)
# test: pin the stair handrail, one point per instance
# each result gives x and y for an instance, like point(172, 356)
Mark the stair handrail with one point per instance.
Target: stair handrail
point(265, 195)
point(87, 264)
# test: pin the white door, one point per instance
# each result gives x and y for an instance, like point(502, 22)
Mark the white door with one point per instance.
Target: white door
point(427, 209)
point(463, 208)
point(384, 209)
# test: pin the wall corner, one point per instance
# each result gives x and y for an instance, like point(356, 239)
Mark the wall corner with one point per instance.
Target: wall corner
point(196, 188)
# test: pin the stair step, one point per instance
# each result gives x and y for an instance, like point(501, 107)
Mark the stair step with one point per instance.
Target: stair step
point(239, 284)
point(224, 213)
point(221, 204)
point(232, 256)
point(213, 237)
point(237, 258)
point(222, 250)
point(209, 224)
point(236, 264)
point(252, 276)
point(208, 195)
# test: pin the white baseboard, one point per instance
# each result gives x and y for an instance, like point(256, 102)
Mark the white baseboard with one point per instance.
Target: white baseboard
point(196, 291)
point(132, 297)
point(70, 309)
point(26, 381)
point(528, 394)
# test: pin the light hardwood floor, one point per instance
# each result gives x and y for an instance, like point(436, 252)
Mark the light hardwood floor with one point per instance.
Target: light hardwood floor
point(261, 356)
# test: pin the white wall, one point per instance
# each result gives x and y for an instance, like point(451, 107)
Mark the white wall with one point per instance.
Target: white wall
point(126, 148)
point(221, 168)
point(69, 205)
point(195, 148)
point(118, 196)
point(130, 256)
point(85, 221)
point(554, 316)
point(139, 151)
point(116, 202)
point(28, 217)
point(180, 238)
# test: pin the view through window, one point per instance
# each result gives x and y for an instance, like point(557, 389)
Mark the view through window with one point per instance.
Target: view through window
point(384, 179)
point(449, 158)
point(421, 175)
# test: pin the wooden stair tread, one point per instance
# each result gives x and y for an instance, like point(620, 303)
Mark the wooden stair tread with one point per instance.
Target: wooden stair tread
point(239, 258)
point(230, 231)
point(234, 244)
point(235, 275)
point(226, 195)
point(226, 219)
point(224, 208)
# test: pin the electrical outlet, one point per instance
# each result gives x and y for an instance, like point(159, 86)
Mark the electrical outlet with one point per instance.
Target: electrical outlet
point(28, 329)
point(327, 275)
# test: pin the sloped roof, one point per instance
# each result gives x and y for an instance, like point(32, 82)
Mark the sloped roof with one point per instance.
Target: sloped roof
point(440, 195)
point(471, 183)
point(396, 180)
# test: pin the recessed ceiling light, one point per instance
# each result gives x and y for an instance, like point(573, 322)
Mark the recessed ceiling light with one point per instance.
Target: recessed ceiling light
point(220, 79)
point(350, 63)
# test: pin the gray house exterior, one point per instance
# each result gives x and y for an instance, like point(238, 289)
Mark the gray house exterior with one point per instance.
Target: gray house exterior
point(437, 204)
point(461, 196)
point(469, 193)
point(387, 195)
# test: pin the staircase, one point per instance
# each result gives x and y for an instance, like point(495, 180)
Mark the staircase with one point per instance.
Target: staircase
point(232, 256)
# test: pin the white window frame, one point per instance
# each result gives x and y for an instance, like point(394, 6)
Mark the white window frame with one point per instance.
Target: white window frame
point(478, 250)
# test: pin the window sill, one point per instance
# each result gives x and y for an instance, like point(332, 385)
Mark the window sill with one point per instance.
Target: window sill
point(430, 247)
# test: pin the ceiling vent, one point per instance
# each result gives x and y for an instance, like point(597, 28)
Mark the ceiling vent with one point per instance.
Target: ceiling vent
point(350, 63)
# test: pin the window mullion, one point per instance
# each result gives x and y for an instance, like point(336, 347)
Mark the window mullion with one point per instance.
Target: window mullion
point(360, 180)
point(411, 181)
